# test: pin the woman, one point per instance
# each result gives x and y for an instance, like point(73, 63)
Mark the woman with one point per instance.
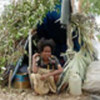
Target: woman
point(46, 68)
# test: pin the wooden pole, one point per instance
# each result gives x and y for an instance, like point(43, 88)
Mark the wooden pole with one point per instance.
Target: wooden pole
point(30, 50)
point(9, 81)
point(30, 55)
point(72, 5)
point(79, 5)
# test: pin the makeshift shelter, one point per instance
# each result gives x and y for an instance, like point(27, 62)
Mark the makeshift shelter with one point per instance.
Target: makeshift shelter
point(73, 29)
point(50, 29)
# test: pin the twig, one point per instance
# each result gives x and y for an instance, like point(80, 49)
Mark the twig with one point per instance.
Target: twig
point(9, 82)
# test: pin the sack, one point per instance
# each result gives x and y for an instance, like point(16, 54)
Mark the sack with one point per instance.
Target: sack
point(92, 82)
point(96, 46)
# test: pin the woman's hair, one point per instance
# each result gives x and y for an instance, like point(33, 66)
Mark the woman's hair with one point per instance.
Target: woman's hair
point(44, 42)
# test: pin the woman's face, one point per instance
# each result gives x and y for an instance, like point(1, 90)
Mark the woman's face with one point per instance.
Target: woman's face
point(46, 53)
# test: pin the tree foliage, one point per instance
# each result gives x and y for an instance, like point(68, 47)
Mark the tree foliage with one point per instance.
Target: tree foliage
point(91, 6)
point(16, 21)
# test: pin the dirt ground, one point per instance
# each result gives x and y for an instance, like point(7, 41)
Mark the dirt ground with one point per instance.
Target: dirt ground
point(16, 94)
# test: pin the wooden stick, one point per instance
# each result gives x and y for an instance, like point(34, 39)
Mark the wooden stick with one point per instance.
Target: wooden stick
point(79, 5)
point(30, 56)
point(9, 82)
point(72, 4)
point(30, 50)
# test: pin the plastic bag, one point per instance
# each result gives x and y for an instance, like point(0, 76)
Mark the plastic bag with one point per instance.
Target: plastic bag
point(96, 45)
point(92, 82)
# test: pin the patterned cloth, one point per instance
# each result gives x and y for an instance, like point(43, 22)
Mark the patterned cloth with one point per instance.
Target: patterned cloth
point(43, 86)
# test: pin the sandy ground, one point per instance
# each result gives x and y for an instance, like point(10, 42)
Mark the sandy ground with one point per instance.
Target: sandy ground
point(15, 94)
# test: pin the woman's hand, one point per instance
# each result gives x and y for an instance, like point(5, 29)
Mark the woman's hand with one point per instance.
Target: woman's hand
point(35, 55)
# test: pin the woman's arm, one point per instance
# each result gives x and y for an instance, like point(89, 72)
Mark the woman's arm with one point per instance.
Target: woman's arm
point(34, 66)
point(56, 72)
